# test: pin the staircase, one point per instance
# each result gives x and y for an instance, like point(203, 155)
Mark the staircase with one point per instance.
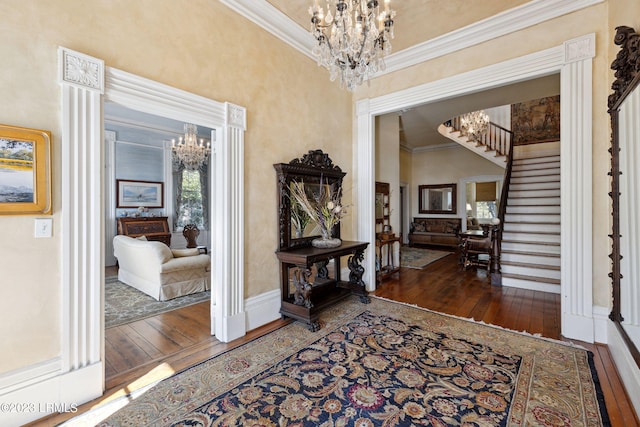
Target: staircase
point(531, 228)
point(493, 146)
point(530, 245)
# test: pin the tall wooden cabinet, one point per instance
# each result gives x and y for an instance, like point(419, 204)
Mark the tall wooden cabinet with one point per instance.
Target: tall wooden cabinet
point(310, 277)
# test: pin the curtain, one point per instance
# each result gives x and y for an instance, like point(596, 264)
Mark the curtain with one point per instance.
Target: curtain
point(486, 192)
point(176, 172)
point(204, 192)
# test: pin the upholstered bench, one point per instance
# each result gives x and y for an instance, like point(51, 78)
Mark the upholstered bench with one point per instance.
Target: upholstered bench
point(435, 231)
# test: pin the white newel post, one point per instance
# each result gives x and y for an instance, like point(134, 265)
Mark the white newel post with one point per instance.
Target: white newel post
point(228, 283)
point(82, 83)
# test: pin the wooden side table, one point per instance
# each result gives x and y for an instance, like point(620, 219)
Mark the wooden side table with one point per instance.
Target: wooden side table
point(386, 241)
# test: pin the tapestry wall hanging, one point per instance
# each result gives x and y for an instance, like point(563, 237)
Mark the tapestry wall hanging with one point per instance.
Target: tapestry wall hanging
point(536, 121)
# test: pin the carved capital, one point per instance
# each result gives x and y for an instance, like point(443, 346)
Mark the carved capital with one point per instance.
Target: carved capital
point(580, 48)
point(78, 69)
point(236, 116)
point(627, 62)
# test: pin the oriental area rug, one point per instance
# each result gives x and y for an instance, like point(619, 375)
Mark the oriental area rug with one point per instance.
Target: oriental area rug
point(379, 364)
point(420, 257)
point(124, 304)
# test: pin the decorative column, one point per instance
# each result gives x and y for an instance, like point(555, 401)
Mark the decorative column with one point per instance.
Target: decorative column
point(229, 243)
point(364, 196)
point(576, 189)
point(82, 83)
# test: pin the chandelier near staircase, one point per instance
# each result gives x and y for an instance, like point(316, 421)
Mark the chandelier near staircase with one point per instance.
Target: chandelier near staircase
point(352, 38)
point(474, 124)
point(188, 150)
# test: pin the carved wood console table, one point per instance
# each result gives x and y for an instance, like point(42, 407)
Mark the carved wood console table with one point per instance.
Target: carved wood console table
point(302, 299)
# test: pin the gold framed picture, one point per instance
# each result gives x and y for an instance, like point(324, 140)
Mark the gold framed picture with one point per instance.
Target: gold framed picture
point(25, 171)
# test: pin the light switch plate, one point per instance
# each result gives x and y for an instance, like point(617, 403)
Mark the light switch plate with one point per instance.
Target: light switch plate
point(43, 227)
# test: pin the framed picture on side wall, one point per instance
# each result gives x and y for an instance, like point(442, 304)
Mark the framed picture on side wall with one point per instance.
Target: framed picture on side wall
point(135, 194)
point(25, 171)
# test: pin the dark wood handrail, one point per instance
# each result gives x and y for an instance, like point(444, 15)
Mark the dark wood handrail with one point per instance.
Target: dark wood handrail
point(496, 137)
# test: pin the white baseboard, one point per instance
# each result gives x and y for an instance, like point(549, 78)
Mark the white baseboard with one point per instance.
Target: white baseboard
point(262, 309)
point(601, 324)
point(530, 285)
point(61, 393)
point(626, 366)
point(29, 375)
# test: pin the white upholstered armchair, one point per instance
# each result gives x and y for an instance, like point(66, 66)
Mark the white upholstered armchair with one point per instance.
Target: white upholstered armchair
point(153, 268)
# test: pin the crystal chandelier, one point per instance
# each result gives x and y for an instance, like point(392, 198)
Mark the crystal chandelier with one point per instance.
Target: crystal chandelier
point(188, 150)
point(474, 124)
point(352, 38)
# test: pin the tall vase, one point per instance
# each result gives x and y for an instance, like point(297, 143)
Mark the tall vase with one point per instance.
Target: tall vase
point(325, 240)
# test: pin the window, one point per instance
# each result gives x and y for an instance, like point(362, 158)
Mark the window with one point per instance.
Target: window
point(486, 210)
point(482, 199)
point(190, 197)
point(190, 209)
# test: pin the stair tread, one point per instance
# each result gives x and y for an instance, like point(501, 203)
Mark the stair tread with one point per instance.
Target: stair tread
point(532, 213)
point(532, 197)
point(528, 206)
point(527, 167)
point(532, 175)
point(531, 278)
point(542, 163)
point(528, 242)
point(544, 254)
point(536, 189)
point(531, 265)
point(547, 233)
point(536, 160)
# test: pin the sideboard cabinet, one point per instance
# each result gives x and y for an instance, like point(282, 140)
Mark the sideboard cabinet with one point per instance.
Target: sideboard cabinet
point(153, 228)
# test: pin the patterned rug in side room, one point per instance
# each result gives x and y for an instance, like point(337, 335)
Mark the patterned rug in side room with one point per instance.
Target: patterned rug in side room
point(382, 363)
point(419, 258)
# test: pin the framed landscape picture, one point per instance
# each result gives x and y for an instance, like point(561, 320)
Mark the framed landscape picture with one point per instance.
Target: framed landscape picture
point(25, 171)
point(135, 194)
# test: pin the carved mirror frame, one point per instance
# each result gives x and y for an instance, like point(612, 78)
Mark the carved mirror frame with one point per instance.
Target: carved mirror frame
point(312, 168)
point(627, 74)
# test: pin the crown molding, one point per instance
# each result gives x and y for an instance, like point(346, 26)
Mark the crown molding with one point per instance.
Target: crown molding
point(509, 21)
point(263, 14)
point(267, 16)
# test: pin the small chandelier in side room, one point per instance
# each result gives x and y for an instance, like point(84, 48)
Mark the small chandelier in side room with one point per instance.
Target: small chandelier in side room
point(188, 150)
point(352, 38)
point(474, 124)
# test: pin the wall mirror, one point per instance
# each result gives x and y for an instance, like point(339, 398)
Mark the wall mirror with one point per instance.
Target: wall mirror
point(312, 169)
point(437, 199)
point(624, 108)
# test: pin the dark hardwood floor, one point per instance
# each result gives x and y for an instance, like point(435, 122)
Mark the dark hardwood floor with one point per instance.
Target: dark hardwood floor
point(143, 352)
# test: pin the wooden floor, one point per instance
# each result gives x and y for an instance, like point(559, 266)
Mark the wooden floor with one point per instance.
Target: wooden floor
point(148, 350)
